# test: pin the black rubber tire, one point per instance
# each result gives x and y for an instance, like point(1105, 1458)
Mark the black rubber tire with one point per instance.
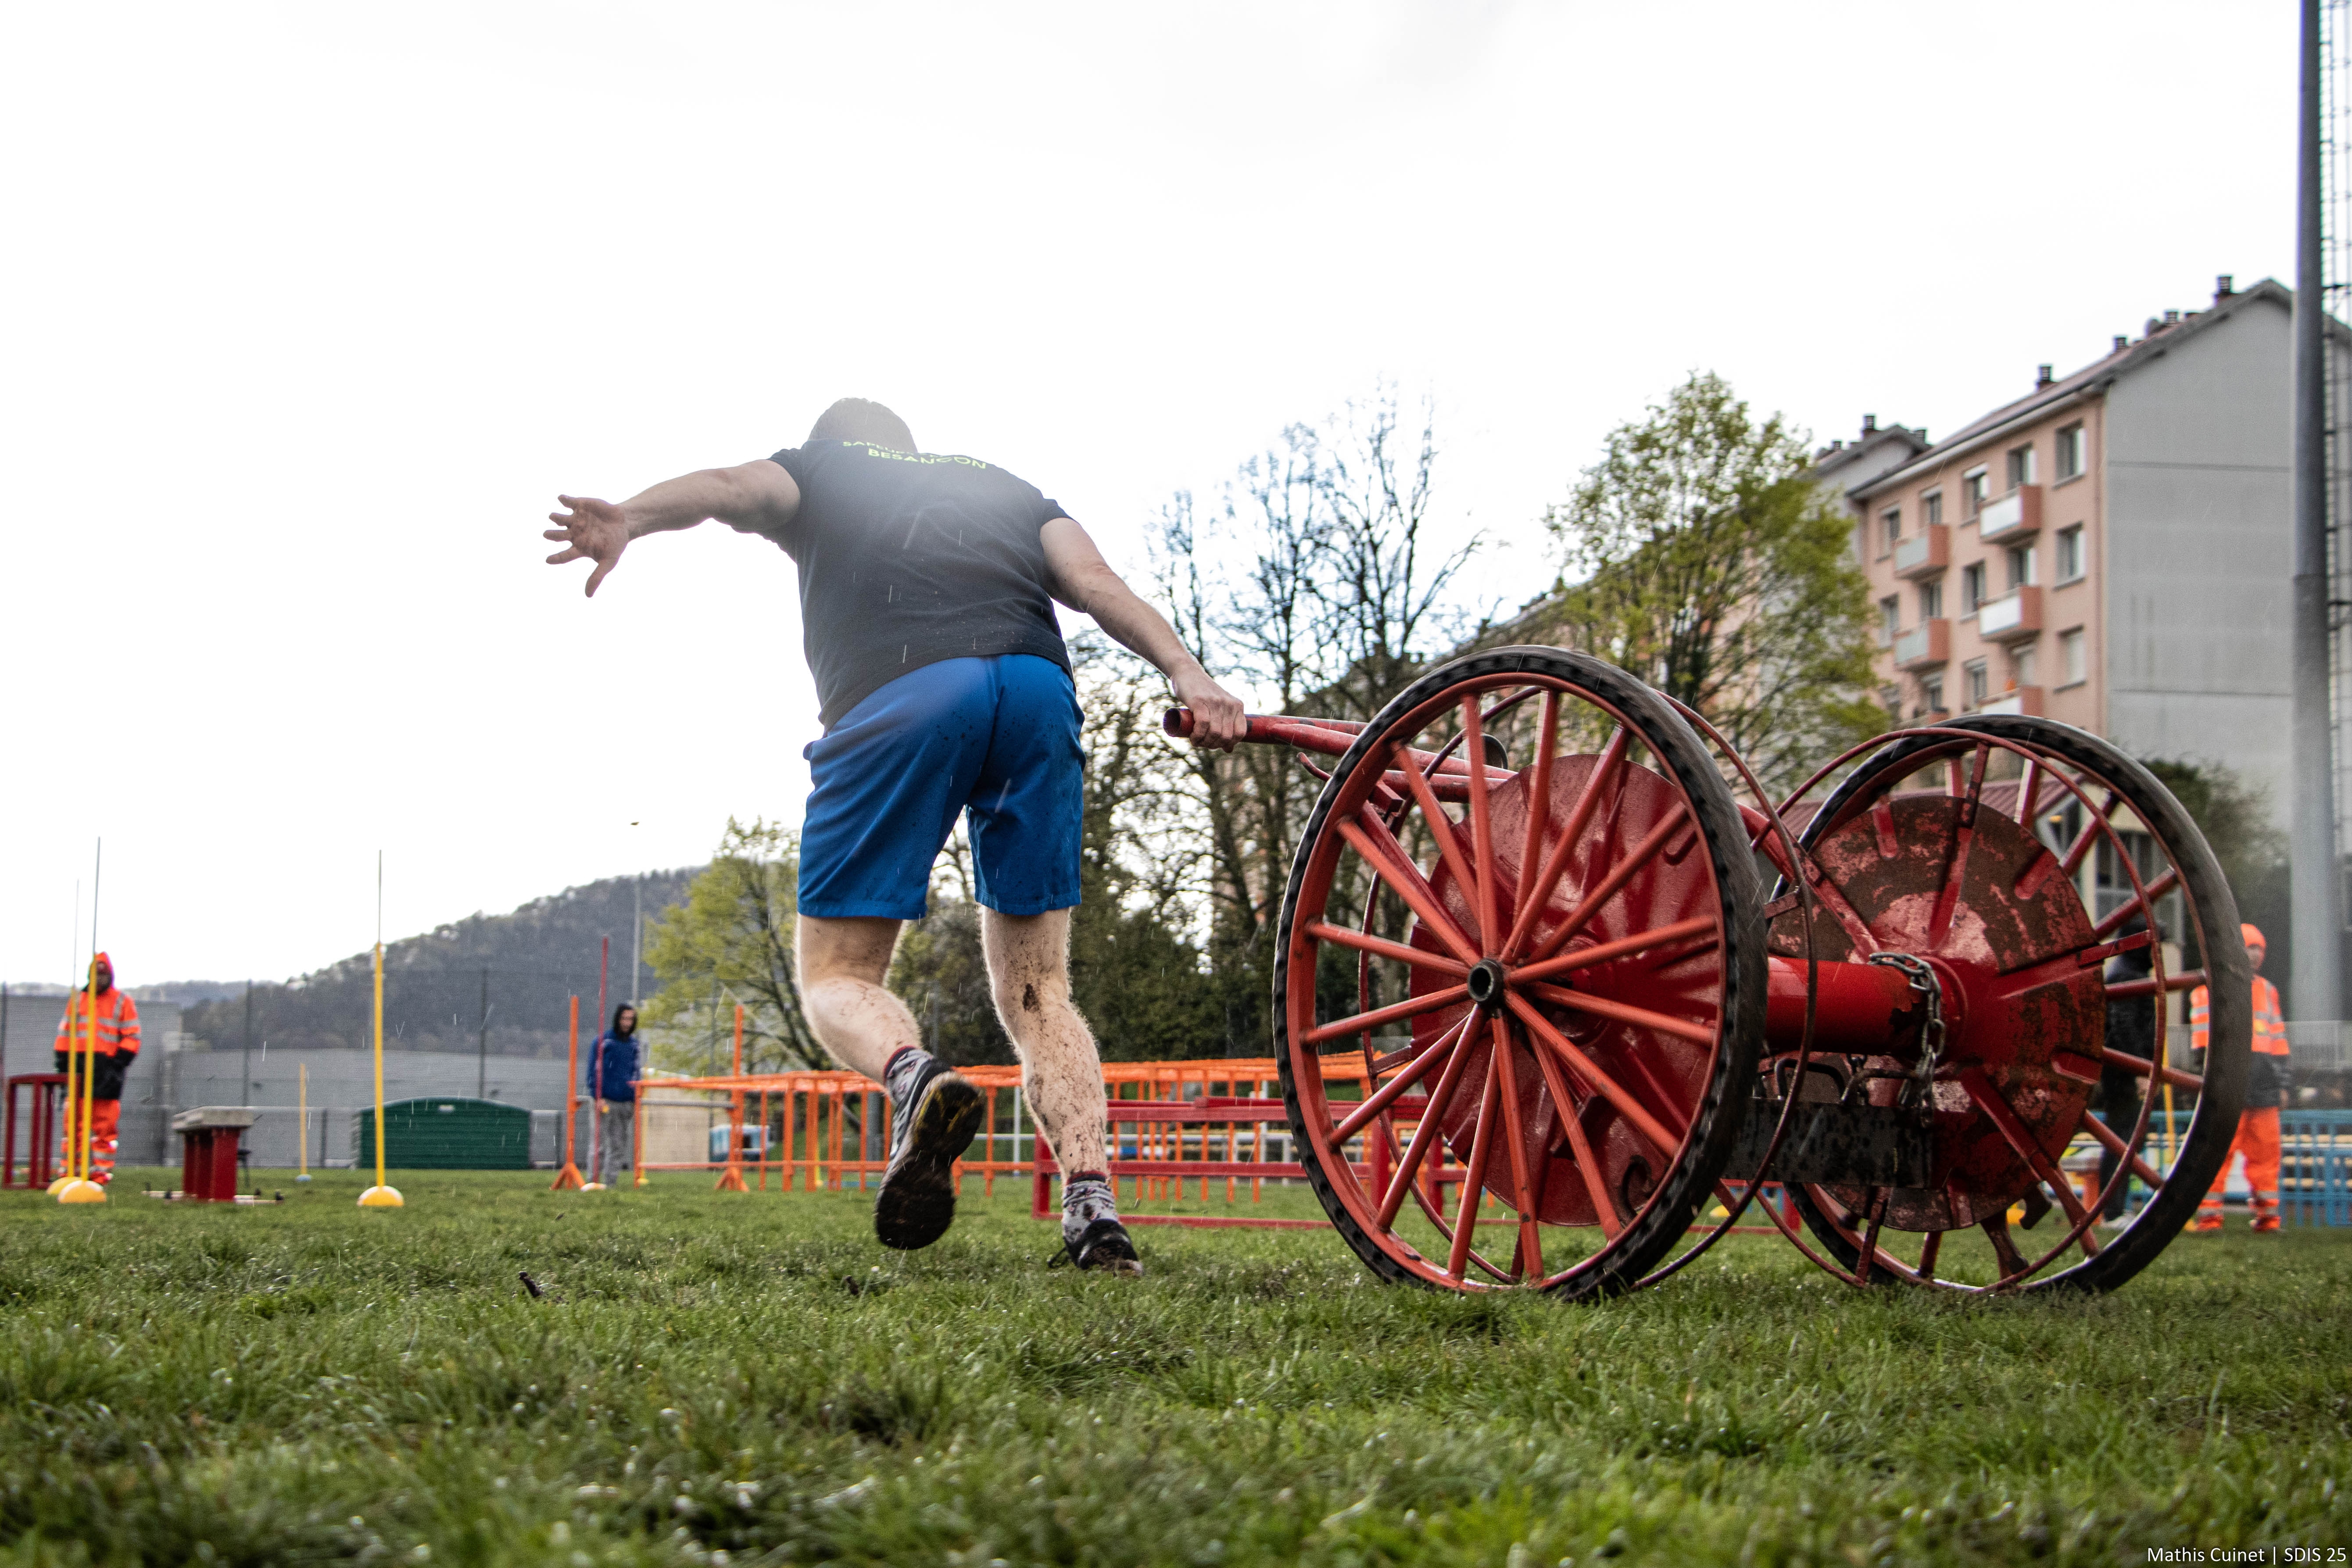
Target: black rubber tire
point(2230, 1052)
point(1725, 1103)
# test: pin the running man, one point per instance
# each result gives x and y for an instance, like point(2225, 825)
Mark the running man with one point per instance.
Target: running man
point(927, 584)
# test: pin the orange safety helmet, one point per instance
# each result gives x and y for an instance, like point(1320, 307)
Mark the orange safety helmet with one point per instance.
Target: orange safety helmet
point(2253, 937)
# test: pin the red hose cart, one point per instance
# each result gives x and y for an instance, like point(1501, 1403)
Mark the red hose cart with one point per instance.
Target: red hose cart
point(1581, 969)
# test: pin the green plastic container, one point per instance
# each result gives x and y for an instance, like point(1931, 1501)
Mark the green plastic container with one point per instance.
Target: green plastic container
point(446, 1133)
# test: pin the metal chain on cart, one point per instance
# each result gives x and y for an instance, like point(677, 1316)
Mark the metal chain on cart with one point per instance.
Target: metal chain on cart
point(1920, 1091)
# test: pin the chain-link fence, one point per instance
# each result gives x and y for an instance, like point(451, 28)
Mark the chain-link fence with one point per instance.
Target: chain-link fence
point(309, 1099)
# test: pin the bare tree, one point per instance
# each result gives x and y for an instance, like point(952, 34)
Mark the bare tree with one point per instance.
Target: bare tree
point(1316, 583)
point(1389, 600)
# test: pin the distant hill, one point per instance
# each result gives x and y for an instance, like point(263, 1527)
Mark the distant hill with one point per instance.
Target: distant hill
point(185, 991)
point(504, 980)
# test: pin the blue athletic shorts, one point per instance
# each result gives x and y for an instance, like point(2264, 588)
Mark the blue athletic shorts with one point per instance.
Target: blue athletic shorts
point(995, 737)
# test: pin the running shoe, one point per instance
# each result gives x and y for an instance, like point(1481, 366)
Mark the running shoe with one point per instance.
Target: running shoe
point(1105, 1245)
point(937, 1122)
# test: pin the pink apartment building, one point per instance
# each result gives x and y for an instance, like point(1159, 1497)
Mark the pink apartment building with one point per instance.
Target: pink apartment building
point(2112, 550)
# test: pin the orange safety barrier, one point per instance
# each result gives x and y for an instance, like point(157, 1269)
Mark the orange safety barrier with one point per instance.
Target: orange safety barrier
point(1170, 1123)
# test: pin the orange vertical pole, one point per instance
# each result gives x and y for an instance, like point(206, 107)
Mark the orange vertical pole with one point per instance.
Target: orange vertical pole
point(988, 1156)
point(731, 1179)
point(638, 1132)
point(570, 1175)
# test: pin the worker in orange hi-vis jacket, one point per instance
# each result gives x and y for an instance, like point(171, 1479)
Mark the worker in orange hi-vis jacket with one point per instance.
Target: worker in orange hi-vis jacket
point(116, 1043)
point(2266, 1087)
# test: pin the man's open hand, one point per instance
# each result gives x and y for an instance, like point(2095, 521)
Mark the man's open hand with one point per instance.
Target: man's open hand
point(1218, 722)
point(591, 530)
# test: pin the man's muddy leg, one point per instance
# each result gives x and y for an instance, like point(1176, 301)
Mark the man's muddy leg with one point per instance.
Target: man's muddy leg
point(842, 966)
point(1029, 973)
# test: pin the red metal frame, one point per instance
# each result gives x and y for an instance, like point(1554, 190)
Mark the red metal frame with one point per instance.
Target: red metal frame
point(208, 1170)
point(48, 1090)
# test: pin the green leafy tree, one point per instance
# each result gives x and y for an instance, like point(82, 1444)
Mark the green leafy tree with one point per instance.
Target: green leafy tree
point(1700, 555)
point(730, 942)
point(2235, 818)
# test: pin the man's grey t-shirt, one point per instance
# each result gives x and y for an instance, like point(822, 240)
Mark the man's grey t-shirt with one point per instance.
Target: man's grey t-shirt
point(910, 558)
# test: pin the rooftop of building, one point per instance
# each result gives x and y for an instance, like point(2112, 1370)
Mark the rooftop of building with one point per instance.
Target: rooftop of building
point(2160, 337)
point(1833, 463)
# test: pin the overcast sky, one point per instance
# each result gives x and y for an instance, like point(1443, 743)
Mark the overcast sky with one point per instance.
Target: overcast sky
point(312, 309)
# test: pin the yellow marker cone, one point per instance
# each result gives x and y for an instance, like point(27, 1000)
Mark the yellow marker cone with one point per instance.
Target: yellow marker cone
point(380, 1198)
point(79, 1191)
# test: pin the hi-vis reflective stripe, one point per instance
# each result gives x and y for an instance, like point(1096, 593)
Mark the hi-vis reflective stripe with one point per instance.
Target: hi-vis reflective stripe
point(2269, 1027)
point(118, 1024)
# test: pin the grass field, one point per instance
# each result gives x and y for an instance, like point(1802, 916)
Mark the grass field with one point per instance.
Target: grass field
point(750, 1380)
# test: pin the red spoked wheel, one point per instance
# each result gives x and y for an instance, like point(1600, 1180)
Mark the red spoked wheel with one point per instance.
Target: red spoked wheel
point(1554, 973)
point(1927, 851)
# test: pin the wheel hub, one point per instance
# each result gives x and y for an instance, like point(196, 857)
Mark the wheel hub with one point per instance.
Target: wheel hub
point(1486, 983)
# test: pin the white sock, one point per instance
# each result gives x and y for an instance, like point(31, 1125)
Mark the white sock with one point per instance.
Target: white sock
point(1083, 1203)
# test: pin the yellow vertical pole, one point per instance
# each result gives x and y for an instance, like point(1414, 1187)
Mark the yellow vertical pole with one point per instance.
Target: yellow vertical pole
point(65, 1175)
point(77, 1187)
point(302, 1119)
point(381, 1195)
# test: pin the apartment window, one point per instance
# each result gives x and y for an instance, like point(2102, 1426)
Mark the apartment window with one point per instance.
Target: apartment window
point(2074, 452)
point(2074, 657)
point(1971, 587)
point(1891, 698)
point(2024, 668)
point(1972, 494)
point(1890, 528)
point(1931, 507)
point(2020, 466)
point(2070, 553)
point(1931, 693)
point(1973, 674)
point(2020, 566)
point(1890, 618)
point(1931, 599)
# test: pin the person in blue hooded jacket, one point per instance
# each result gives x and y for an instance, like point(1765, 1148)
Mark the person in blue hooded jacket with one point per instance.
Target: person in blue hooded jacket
point(613, 1063)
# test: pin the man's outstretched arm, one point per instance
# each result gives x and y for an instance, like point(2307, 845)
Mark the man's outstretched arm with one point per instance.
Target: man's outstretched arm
point(757, 497)
point(1084, 581)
